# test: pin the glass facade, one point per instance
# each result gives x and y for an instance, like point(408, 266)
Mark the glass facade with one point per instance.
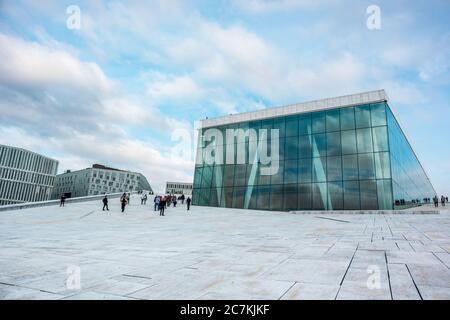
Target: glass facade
point(410, 184)
point(349, 158)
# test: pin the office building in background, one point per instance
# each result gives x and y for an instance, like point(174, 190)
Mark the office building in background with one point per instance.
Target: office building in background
point(98, 180)
point(179, 188)
point(25, 176)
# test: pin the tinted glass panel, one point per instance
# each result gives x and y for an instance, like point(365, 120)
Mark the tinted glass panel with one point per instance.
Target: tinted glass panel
point(228, 179)
point(351, 195)
point(290, 196)
point(378, 114)
point(280, 124)
point(362, 116)
point(319, 169)
point(252, 194)
point(382, 165)
point(304, 124)
point(228, 197)
point(292, 126)
point(304, 147)
point(215, 197)
point(207, 177)
point(319, 145)
point(336, 195)
point(318, 122)
point(333, 120)
point(366, 166)
point(238, 197)
point(368, 189)
point(334, 144)
point(350, 167)
point(217, 179)
point(348, 142)
point(304, 196)
point(334, 169)
point(263, 201)
point(347, 118)
point(278, 177)
point(319, 196)
point(304, 170)
point(276, 197)
point(291, 148)
point(290, 171)
point(364, 140)
point(384, 192)
point(380, 139)
point(239, 179)
point(251, 174)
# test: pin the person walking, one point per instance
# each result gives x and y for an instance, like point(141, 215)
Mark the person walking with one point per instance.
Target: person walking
point(188, 203)
point(156, 201)
point(123, 201)
point(62, 200)
point(436, 201)
point(443, 201)
point(105, 203)
point(142, 199)
point(174, 200)
point(145, 199)
point(182, 199)
point(162, 206)
point(128, 198)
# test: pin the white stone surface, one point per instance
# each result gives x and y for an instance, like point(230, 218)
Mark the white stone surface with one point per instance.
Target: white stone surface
point(216, 253)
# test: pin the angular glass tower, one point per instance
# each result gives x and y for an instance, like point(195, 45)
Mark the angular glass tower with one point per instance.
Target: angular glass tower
point(344, 153)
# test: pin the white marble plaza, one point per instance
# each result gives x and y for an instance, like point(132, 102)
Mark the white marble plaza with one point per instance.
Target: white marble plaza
point(212, 253)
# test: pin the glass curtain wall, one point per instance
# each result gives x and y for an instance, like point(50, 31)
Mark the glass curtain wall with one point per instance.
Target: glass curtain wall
point(336, 159)
point(409, 181)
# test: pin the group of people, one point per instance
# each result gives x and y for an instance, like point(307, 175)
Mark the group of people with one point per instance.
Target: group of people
point(124, 200)
point(444, 200)
point(163, 202)
point(143, 198)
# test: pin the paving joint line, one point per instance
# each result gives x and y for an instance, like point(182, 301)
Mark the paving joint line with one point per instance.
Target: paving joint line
point(295, 282)
point(388, 274)
point(348, 267)
point(414, 282)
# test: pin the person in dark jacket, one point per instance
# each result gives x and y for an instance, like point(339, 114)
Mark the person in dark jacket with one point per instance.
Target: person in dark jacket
point(188, 203)
point(105, 203)
point(62, 200)
point(174, 201)
point(123, 201)
point(162, 206)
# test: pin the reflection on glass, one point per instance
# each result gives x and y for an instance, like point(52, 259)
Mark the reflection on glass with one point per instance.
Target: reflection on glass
point(318, 122)
point(368, 191)
point(362, 116)
point(347, 118)
point(348, 142)
point(333, 120)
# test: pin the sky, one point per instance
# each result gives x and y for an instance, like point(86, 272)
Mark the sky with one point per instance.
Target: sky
point(122, 83)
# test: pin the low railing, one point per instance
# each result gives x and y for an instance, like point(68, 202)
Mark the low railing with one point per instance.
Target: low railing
point(37, 204)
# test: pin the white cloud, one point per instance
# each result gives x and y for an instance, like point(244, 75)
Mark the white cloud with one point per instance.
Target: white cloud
point(178, 88)
point(32, 65)
point(56, 104)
